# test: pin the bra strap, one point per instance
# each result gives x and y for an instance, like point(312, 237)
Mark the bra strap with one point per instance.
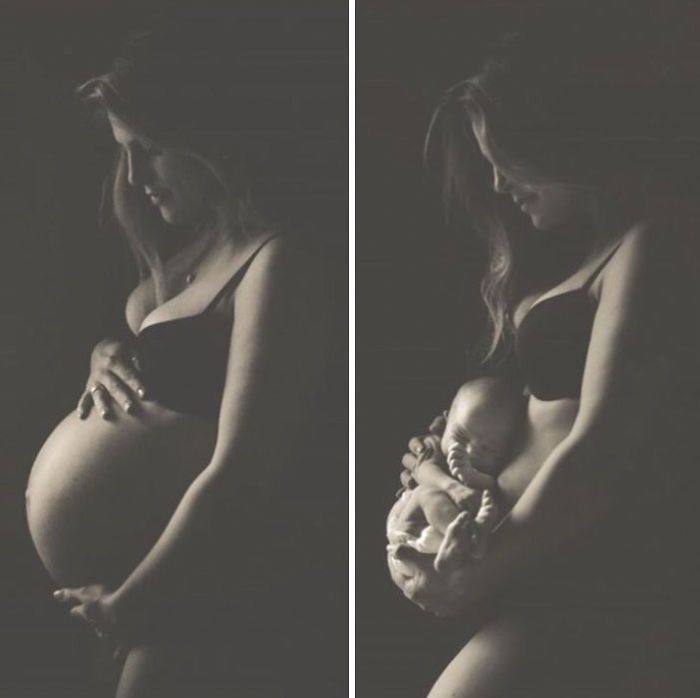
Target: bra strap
point(599, 268)
point(235, 278)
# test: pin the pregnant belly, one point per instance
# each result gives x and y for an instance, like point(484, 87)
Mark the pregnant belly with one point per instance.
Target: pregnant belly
point(101, 492)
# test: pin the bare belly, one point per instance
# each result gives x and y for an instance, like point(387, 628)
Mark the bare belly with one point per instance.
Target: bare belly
point(100, 492)
point(548, 423)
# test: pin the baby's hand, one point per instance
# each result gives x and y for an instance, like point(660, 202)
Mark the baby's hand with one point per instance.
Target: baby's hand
point(467, 536)
point(460, 465)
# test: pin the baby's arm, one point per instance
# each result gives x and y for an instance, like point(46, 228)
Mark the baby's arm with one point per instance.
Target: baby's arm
point(438, 508)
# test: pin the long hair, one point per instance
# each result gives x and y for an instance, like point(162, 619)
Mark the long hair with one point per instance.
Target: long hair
point(547, 115)
point(213, 94)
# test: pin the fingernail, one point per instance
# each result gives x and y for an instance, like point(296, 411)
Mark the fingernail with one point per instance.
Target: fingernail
point(103, 414)
point(127, 406)
point(141, 392)
point(420, 448)
point(58, 594)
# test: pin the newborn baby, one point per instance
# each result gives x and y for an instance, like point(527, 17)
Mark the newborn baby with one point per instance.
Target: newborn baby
point(481, 426)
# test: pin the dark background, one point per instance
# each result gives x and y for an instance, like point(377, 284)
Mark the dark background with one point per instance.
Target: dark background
point(64, 281)
point(419, 316)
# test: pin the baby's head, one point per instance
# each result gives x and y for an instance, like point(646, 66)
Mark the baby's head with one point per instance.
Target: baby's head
point(484, 418)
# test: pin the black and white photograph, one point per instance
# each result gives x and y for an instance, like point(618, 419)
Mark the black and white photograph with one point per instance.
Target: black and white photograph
point(174, 352)
point(527, 358)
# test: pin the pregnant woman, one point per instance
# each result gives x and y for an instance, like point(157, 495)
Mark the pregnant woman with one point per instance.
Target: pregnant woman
point(592, 290)
point(157, 506)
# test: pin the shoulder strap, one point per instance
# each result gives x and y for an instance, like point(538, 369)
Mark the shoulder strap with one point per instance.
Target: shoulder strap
point(598, 269)
point(235, 278)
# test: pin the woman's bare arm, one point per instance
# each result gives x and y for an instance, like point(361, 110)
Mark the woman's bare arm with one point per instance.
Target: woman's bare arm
point(631, 361)
point(277, 345)
point(627, 369)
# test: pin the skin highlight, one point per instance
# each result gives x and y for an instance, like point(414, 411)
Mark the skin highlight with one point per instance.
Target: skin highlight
point(180, 186)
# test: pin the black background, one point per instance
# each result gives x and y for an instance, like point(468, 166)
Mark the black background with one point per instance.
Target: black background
point(64, 281)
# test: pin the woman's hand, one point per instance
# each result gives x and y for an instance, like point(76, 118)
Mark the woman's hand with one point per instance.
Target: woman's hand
point(446, 593)
point(114, 378)
point(93, 604)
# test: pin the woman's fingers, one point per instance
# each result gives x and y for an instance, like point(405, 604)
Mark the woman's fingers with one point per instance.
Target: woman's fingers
point(100, 398)
point(108, 389)
point(114, 378)
point(406, 478)
point(417, 446)
point(80, 612)
point(437, 426)
point(84, 405)
point(425, 446)
point(125, 367)
point(119, 391)
point(456, 545)
point(409, 462)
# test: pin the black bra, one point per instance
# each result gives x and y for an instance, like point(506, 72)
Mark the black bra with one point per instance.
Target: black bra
point(183, 361)
point(552, 340)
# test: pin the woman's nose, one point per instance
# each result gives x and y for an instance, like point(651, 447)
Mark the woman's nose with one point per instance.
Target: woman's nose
point(500, 182)
point(136, 175)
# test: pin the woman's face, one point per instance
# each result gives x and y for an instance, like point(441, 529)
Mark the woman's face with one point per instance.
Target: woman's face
point(547, 203)
point(180, 186)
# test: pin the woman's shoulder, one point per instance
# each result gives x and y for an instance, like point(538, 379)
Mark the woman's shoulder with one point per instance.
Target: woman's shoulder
point(660, 250)
point(286, 257)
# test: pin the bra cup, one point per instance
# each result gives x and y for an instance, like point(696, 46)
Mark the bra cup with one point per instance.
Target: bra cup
point(183, 362)
point(552, 342)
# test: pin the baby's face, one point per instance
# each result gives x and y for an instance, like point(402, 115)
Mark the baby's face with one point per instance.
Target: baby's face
point(481, 438)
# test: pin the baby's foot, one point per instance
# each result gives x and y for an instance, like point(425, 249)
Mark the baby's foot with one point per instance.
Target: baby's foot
point(459, 462)
point(484, 522)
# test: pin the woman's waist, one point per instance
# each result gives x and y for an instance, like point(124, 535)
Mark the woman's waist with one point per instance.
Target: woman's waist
point(546, 426)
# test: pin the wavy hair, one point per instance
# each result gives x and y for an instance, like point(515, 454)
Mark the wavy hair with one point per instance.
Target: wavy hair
point(547, 115)
point(212, 93)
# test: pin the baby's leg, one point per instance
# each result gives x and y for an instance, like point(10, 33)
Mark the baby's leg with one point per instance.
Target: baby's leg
point(438, 508)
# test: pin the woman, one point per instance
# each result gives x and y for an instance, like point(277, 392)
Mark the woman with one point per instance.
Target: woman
point(591, 289)
point(168, 506)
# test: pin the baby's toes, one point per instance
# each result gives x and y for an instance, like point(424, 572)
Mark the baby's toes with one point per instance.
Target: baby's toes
point(487, 516)
point(457, 455)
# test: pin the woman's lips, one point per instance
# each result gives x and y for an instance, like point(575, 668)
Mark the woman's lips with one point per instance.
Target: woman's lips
point(157, 197)
point(523, 203)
